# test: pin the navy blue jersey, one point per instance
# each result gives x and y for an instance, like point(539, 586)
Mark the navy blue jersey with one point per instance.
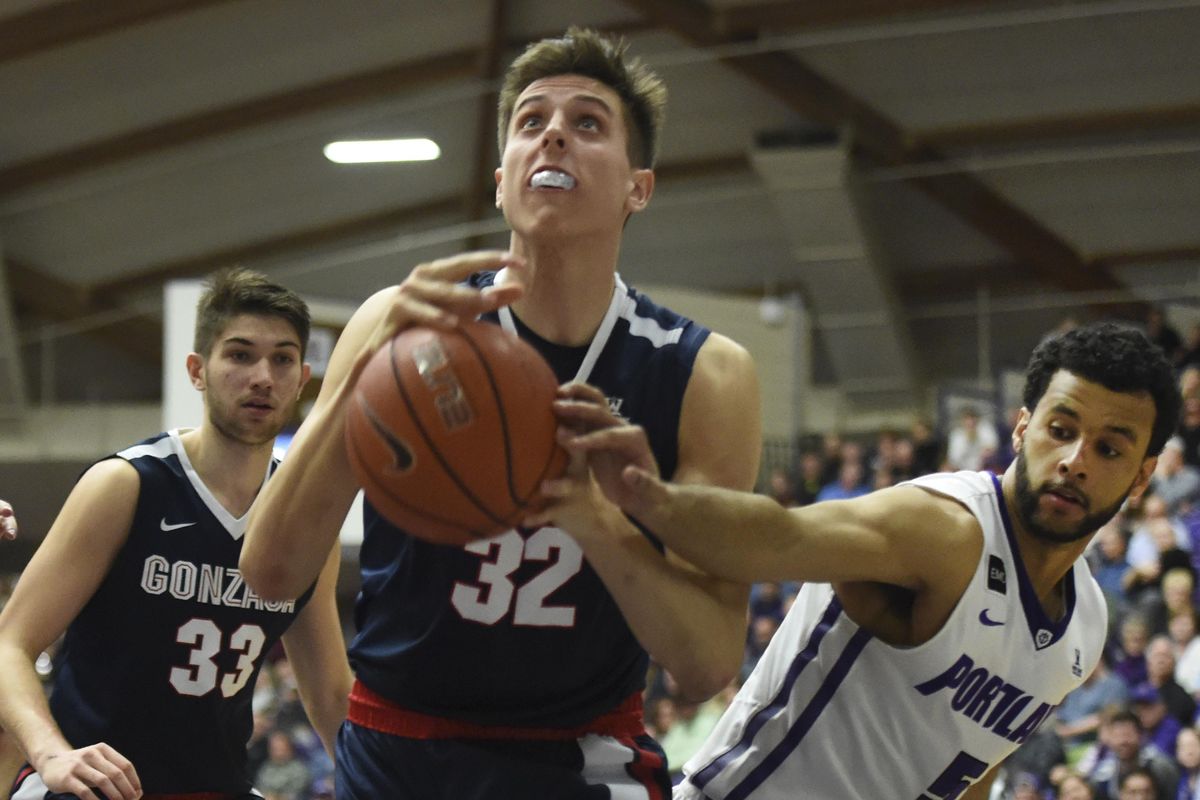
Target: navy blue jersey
point(518, 629)
point(161, 662)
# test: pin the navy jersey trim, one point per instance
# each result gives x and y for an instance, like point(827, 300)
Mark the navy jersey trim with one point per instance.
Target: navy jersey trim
point(807, 718)
point(1035, 615)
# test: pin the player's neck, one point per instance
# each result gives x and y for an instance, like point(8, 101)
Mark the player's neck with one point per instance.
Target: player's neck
point(233, 471)
point(1046, 563)
point(571, 287)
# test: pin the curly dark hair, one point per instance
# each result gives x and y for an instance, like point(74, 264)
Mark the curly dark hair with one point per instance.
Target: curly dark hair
point(1119, 358)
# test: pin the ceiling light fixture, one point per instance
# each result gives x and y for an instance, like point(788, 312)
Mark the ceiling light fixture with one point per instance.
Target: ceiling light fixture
point(377, 151)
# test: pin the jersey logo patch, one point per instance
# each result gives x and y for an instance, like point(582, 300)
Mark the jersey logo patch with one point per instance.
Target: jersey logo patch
point(169, 526)
point(991, 623)
point(1043, 638)
point(997, 580)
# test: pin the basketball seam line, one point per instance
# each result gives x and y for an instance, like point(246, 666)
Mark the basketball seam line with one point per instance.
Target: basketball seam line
point(404, 395)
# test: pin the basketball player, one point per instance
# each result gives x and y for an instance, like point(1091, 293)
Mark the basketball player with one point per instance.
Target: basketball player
point(514, 667)
point(956, 611)
point(163, 639)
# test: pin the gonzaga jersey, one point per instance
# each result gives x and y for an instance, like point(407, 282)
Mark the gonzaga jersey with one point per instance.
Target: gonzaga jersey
point(832, 713)
point(518, 630)
point(161, 662)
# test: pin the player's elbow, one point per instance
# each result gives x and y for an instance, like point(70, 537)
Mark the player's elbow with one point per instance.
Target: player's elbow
point(271, 580)
point(700, 683)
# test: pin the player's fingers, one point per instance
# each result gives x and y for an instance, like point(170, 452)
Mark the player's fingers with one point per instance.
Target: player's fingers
point(646, 485)
point(8, 526)
point(119, 770)
point(586, 416)
point(458, 267)
point(584, 392)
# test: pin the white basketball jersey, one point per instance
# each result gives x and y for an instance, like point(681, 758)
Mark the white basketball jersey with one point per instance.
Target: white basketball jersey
point(832, 713)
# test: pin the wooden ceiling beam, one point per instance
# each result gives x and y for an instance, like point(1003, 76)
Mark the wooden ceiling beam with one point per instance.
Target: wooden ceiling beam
point(781, 15)
point(36, 292)
point(998, 133)
point(275, 246)
point(48, 26)
point(1039, 251)
point(376, 84)
point(385, 82)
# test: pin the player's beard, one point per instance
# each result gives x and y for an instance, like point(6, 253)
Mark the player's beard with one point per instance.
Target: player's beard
point(1027, 508)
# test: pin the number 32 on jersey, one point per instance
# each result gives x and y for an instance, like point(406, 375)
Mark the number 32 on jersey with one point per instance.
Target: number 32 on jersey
point(494, 594)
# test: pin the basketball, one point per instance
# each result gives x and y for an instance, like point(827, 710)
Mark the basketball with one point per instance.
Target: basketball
point(450, 433)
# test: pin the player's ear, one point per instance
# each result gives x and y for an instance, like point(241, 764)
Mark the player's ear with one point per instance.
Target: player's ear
point(640, 189)
point(499, 186)
point(195, 369)
point(305, 374)
point(1018, 433)
point(1145, 473)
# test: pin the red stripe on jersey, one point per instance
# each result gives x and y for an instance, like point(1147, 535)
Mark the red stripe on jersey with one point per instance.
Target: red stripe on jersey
point(645, 764)
point(369, 710)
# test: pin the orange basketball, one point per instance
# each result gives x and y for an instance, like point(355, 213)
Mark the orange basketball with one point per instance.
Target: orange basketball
point(450, 433)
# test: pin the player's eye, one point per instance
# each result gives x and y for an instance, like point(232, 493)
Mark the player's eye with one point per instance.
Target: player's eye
point(589, 123)
point(529, 121)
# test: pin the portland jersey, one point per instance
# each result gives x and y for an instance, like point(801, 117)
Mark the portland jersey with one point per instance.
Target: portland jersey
point(162, 660)
point(831, 712)
point(519, 630)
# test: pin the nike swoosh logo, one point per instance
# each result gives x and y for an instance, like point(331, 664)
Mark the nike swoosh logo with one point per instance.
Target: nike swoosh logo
point(166, 526)
point(403, 456)
point(983, 617)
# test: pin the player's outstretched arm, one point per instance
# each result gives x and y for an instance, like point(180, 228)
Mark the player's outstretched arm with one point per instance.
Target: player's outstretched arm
point(317, 652)
point(692, 623)
point(60, 578)
point(298, 517)
point(8, 521)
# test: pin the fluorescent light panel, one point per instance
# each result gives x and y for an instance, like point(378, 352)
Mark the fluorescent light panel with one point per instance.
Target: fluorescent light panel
point(377, 151)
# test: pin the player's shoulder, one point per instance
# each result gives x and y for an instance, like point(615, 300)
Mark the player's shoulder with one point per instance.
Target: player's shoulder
point(919, 506)
point(110, 478)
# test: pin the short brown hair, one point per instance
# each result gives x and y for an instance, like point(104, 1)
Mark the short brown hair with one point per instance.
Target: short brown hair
point(231, 292)
point(585, 52)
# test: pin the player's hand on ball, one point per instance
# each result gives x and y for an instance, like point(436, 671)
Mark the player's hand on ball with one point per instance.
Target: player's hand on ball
point(617, 453)
point(433, 294)
point(97, 766)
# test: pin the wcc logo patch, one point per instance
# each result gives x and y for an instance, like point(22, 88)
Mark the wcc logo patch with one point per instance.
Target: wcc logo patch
point(997, 579)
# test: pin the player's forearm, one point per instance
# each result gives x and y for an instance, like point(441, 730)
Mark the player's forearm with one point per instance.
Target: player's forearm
point(301, 511)
point(24, 712)
point(734, 535)
point(694, 625)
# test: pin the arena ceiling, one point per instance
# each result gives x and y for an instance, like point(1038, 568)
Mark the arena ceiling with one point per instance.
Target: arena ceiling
point(1006, 163)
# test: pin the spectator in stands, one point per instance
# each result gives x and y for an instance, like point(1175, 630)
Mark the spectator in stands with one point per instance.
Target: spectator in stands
point(1120, 752)
point(1074, 787)
point(1159, 728)
point(849, 483)
point(971, 442)
point(283, 776)
point(1189, 429)
point(1174, 596)
point(1177, 483)
point(1159, 543)
point(1163, 334)
point(809, 483)
point(780, 487)
point(762, 629)
point(1187, 757)
point(1140, 784)
point(1109, 564)
point(1182, 629)
point(927, 448)
point(1191, 349)
point(1161, 674)
point(1078, 717)
point(1130, 662)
